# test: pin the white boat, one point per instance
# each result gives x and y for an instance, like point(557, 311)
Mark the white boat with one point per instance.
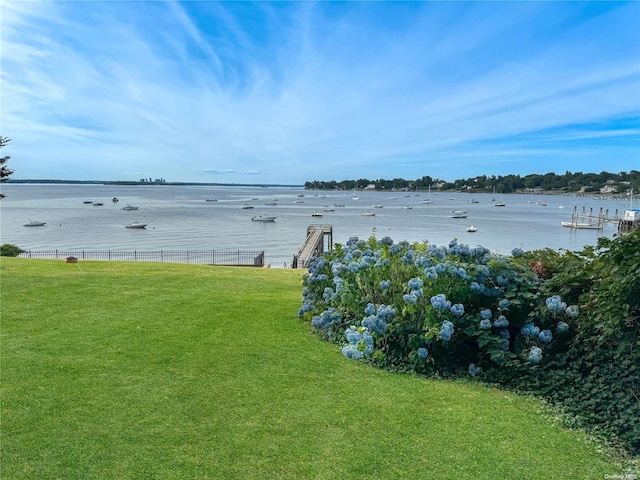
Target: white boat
point(473, 200)
point(298, 201)
point(135, 225)
point(339, 205)
point(271, 204)
point(246, 207)
point(428, 201)
point(130, 207)
point(328, 209)
point(459, 214)
point(582, 225)
point(378, 205)
point(368, 214)
point(97, 204)
point(407, 207)
point(497, 204)
point(472, 229)
point(263, 218)
point(316, 214)
point(34, 223)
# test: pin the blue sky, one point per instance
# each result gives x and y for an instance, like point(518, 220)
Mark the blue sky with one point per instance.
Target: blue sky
point(285, 92)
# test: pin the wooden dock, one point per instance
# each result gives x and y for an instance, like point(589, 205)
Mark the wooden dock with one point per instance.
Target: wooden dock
point(314, 246)
point(590, 220)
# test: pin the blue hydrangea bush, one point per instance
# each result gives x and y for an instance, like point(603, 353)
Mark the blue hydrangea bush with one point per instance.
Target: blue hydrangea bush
point(432, 309)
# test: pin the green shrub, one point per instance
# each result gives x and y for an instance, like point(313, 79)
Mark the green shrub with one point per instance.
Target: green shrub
point(10, 250)
point(451, 311)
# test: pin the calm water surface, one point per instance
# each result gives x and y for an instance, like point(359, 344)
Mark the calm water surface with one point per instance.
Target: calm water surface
point(180, 218)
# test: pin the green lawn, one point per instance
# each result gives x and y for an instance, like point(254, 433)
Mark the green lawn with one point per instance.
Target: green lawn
point(137, 370)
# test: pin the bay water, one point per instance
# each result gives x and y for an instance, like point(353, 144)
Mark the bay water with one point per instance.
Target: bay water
point(181, 218)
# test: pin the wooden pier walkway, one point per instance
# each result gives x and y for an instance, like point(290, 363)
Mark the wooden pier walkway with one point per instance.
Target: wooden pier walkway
point(586, 220)
point(314, 245)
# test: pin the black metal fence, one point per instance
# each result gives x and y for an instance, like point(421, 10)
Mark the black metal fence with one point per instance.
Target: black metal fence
point(201, 257)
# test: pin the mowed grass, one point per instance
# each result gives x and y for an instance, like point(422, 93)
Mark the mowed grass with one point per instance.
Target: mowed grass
point(137, 370)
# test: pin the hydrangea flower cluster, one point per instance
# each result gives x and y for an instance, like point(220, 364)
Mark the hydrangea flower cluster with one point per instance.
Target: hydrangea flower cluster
point(504, 304)
point(546, 336)
point(473, 370)
point(423, 352)
point(440, 302)
point(517, 252)
point(572, 311)
point(486, 314)
point(529, 330)
point(376, 320)
point(385, 284)
point(555, 304)
point(562, 328)
point(446, 332)
point(326, 319)
point(501, 322)
point(457, 309)
point(535, 355)
point(360, 343)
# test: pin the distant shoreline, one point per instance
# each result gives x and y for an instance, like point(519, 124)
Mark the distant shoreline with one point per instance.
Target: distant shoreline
point(127, 182)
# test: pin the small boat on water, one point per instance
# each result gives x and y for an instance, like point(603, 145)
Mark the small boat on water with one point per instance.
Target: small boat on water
point(473, 200)
point(135, 225)
point(88, 201)
point(130, 207)
point(34, 223)
point(472, 229)
point(114, 199)
point(499, 204)
point(368, 214)
point(263, 218)
point(338, 205)
point(316, 214)
point(378, 205)
point(211, 200)
point(246, 207)
point(582, 225)
point(459, 214)
point(271, 204)
point(97, 204)
point(407, 207)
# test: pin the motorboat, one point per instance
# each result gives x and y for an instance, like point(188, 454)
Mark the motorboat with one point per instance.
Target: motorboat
point(211, 200)
point(135, 225)
point(263, 218)
point(129, 207)
point(34, 223)
point(114, 199)
point(97, 204)
point(407, 207)
point(246, 207)
point(368, 214)
point(472, 229)
point(499, 204)
point(473, 200)
point(582, 225)
point(339, 205)
point(459, 214)
point(88, 201)
point(378, 205)
point(316, 214)
point(271, 204)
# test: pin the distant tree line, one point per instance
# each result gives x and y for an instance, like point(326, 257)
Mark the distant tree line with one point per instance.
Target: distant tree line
point(569, 182)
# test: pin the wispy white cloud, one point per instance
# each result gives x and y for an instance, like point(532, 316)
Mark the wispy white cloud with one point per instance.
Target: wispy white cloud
point(303, 91)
